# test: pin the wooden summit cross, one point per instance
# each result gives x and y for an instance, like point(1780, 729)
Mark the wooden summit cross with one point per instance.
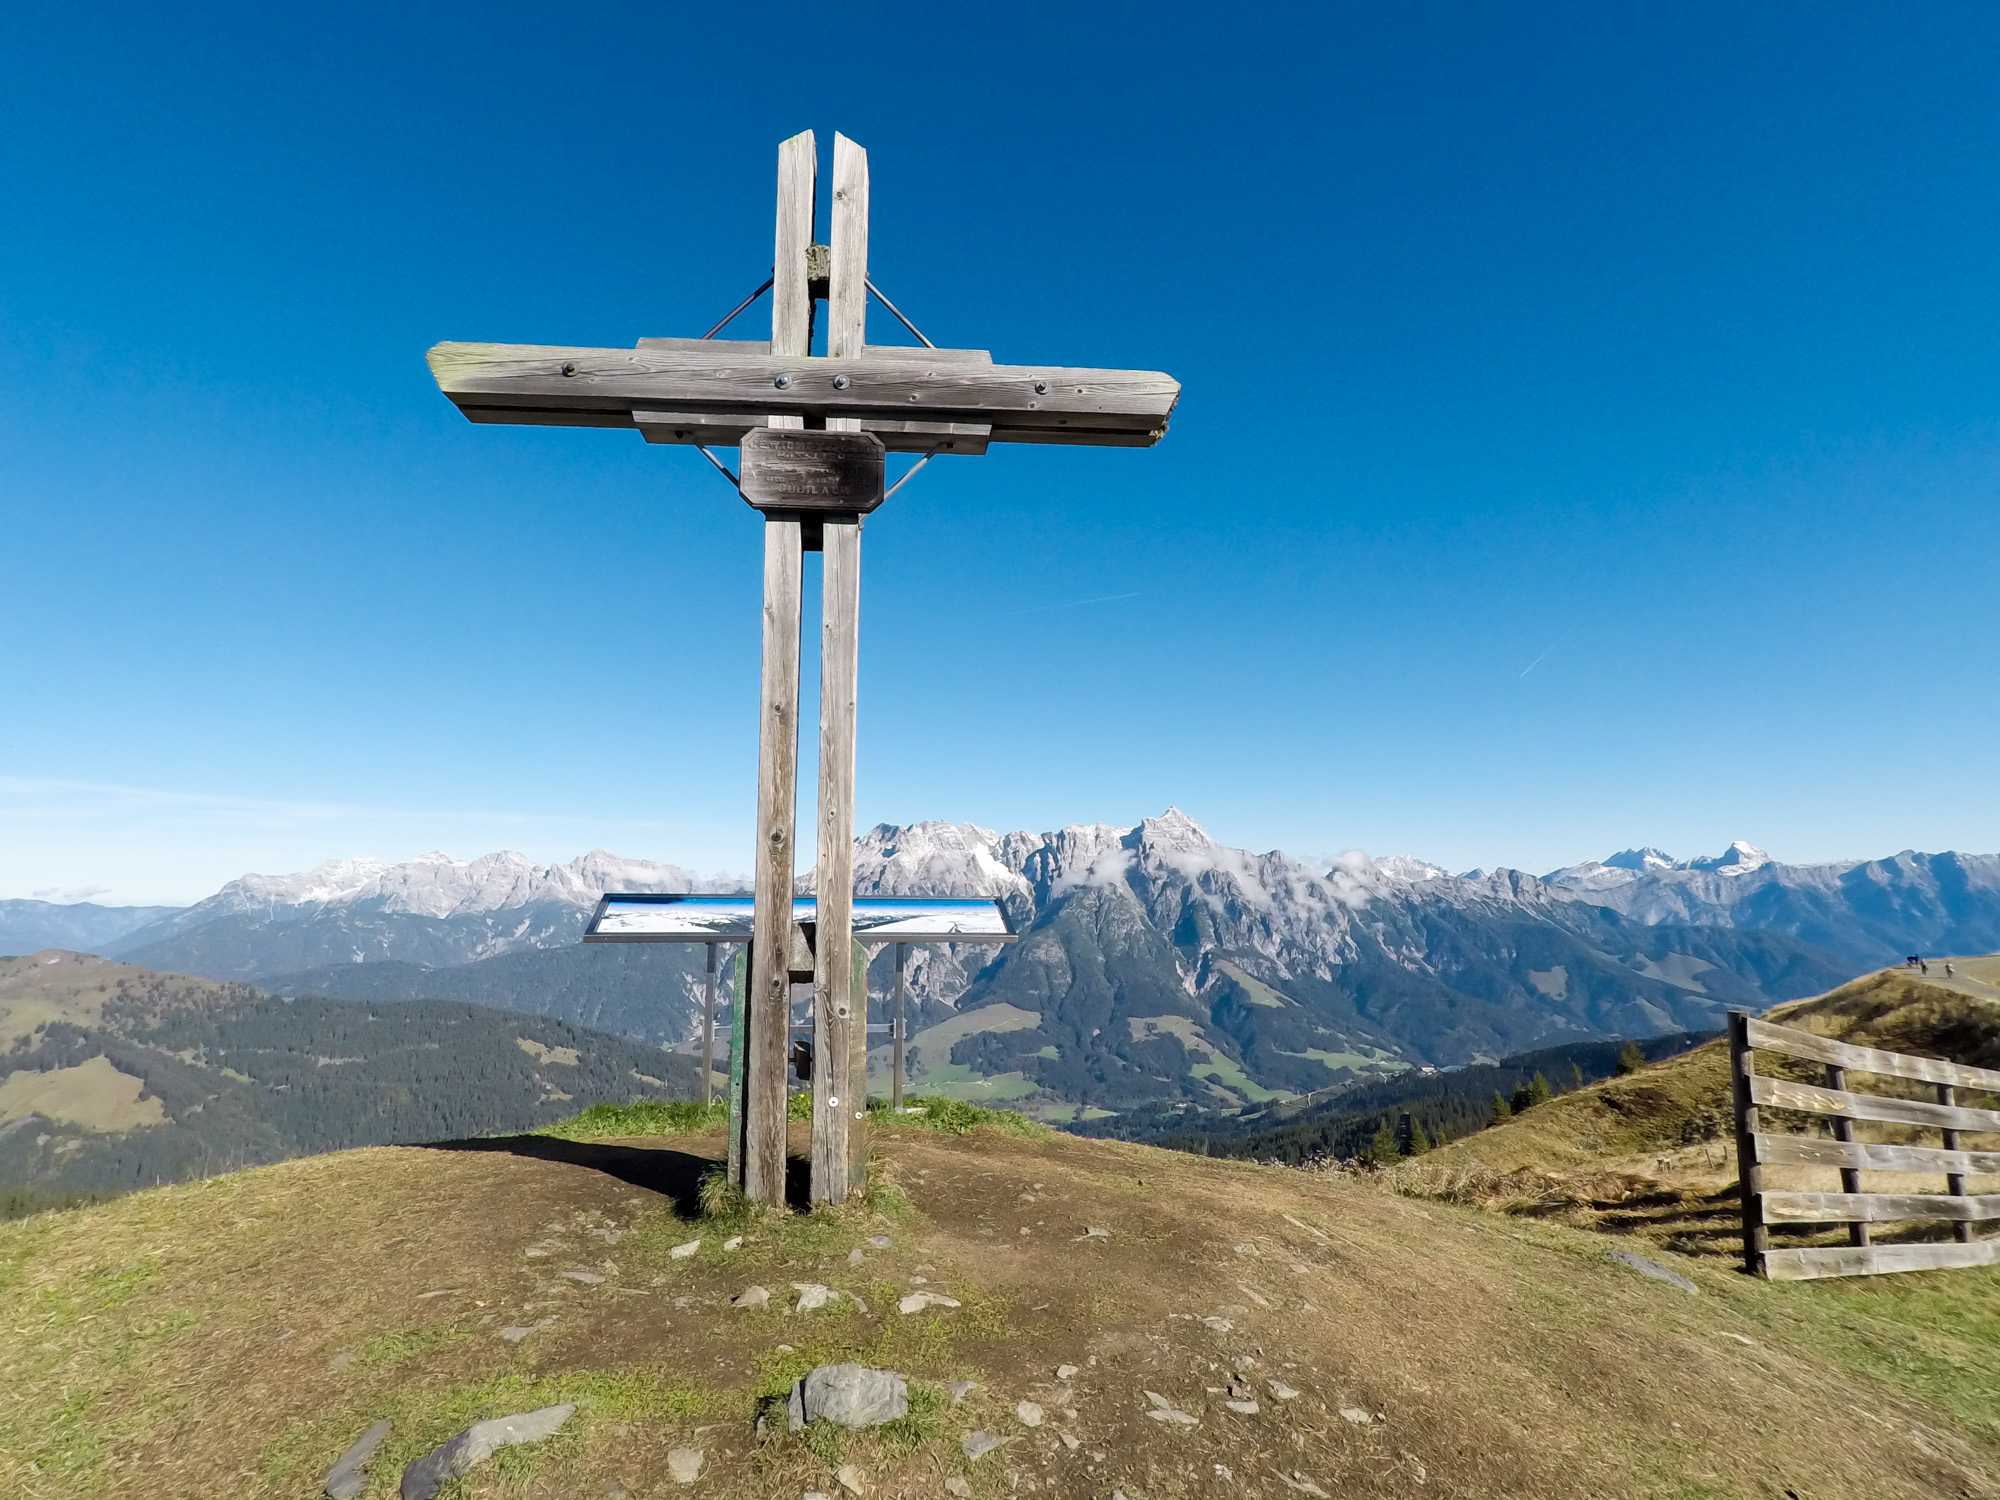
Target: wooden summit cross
point(812, 431)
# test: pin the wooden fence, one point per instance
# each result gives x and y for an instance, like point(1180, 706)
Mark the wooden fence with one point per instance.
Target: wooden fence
point(1858, 1210)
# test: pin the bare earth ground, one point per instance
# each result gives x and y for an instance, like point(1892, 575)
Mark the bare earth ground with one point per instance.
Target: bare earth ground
point(231, 1337)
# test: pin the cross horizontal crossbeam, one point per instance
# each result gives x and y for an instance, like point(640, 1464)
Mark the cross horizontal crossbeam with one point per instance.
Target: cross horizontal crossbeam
point(912, 399)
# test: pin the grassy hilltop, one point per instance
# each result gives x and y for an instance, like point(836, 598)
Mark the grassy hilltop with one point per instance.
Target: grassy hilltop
point(232, 1336)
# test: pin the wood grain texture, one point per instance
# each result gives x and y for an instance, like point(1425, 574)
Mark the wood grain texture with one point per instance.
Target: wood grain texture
point(824, 471)
point(1847, 1208)
point(847, 287)
point(791, 299)
point(1782, 1093)
point(1792, 1042)
point(727, 430)
point(839, 1111)
point(506, 382)
point(1850, 1178)
point(1748, 1174)
point(1812, 1151)
point(1808, 1265)
point(1955, 1181)
point(777, 784)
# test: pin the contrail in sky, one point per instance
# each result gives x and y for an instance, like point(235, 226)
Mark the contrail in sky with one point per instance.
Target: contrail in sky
point(1035, 609)
point(1538, 660)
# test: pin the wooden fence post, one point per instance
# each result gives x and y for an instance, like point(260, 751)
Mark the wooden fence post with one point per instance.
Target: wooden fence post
point(1954, 1182)
point(1850, 1177)
point(1749, 1178)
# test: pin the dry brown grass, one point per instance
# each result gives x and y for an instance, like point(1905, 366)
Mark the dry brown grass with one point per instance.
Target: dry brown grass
point(183, 1342)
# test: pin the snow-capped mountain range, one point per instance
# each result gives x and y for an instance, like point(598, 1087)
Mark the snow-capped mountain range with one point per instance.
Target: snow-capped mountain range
point(1154, 961)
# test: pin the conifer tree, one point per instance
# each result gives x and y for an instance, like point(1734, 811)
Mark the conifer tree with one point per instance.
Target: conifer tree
point(1575, 1077)
point(1419, 1142)
point(1630, 1059)
point(1382, 1150)
point(1501, 1109)
point(1539, 1091)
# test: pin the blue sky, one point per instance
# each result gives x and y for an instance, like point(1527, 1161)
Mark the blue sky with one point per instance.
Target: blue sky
point(1590, 430)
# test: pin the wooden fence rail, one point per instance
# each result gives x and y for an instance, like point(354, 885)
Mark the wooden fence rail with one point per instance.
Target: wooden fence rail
point(1844, 1106)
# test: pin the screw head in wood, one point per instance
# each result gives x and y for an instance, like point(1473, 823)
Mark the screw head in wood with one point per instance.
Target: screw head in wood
point(568, 368)
point(840, 382)
point(1041, 387)
point(783, 382)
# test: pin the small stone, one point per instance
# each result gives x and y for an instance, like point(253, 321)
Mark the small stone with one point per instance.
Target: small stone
point(1304, 1486)
point(979, 1444)
point(956, 1485)
point(1165, 1410)
point(348, 1477)
point(880, 1241)
point(1356, 1415)
point(855, 1257)
point(1094, 1233)
point(958, 1390)
point(588, 1278)
point(916, 1302)
point(1071, 1441)
point(812, 1295)
point(1282, 1391)
point(1218, 1325)
point(1029, 1413)
point(752, 1296)
point(534, 1250)
point(1653, 1269)
point(849, 1479)
point(1243, 1408)
point(734, 1242)
point(452, 1459)
point(515, 1334)
point(682, 1252)
point(815, 1495)
point(684, 1464)
point(1063, 1372)
point(341, 1360)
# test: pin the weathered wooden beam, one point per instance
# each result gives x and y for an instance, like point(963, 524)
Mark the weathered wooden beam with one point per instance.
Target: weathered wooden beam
point(1782, 1093)
point(1807, 1265)
point(847, 287)
point(791, 295)
point(1792, 1042)
point(770, 984)
point(1861, 1208)
point(839, 1111)
point(1850, 1177)
point(1021, 403)
point(726, 430)
point(1870, 1156)
point(1954, 1181)
point(1749, 1175)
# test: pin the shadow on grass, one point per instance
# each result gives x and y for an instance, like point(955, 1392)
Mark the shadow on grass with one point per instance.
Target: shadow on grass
point(674, 1175)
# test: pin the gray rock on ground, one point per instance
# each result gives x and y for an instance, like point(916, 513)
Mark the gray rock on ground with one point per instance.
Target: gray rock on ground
point(849, 1396)
point(349, 1476)
point(479, 1442)
point(684, 1464)
point(979, 1444)
point(1653, 1269)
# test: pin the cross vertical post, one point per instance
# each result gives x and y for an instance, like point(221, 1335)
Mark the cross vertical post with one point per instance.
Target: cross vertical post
point(840, 1036)
point(778, 728)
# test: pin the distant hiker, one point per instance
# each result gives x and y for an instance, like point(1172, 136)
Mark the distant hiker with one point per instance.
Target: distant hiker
point(1947, 968)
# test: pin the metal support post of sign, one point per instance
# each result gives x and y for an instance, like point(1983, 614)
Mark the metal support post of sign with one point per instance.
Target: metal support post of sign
point(897, 1034)
point(739, 1013)
point(708, 1033)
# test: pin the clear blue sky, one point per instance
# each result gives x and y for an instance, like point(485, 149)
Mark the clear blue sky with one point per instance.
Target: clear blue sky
point(1590, 431)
